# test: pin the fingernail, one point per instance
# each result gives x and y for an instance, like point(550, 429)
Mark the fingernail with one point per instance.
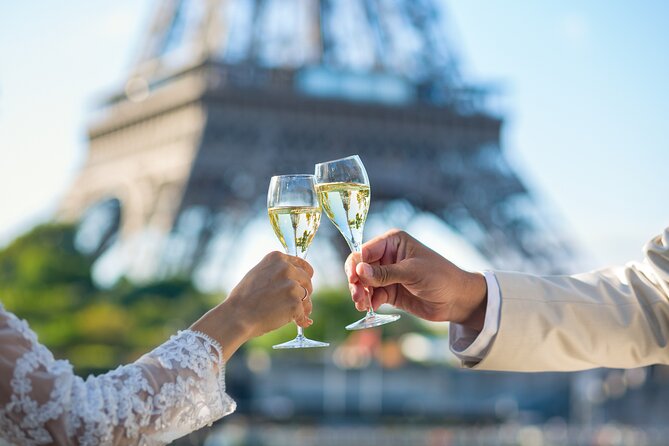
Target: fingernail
point(366, 270)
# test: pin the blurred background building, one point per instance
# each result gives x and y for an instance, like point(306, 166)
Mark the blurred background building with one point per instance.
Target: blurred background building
point(224, 94)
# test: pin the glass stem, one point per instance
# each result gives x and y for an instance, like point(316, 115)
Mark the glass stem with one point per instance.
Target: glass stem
point(357, 247)
point(370, 312)
point(300, 330)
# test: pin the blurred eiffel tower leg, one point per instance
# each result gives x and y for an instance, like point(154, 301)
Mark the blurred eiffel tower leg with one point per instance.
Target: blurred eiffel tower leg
point(227, 93)
point(221, 253)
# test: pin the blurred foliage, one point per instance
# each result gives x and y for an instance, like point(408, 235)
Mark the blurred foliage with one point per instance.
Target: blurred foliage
point(45, 280)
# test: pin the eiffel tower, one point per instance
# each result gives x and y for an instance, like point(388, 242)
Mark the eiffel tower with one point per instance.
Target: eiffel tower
point(226, 93)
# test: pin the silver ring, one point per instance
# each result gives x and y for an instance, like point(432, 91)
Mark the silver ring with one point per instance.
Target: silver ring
point(306, 293)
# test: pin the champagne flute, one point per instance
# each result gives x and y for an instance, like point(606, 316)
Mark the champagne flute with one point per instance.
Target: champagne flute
point(344, 193)
point(295, 214)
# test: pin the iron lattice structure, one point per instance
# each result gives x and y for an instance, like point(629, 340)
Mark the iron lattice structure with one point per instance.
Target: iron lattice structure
point(227, 93)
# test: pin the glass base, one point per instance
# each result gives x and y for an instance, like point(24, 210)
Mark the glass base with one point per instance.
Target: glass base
point(373, 321)
point(300, 342)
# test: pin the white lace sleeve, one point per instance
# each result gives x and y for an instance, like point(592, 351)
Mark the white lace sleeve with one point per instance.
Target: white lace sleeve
point(177, 388)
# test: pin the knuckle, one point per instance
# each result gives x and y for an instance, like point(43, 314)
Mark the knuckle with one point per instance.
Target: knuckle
point(396, 231)
point(307, 268)
point(273, 256)
point(288, 286)
point(282, 267)
point(285, 268)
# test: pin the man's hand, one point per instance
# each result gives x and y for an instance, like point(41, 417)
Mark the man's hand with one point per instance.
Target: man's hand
point(397, 269)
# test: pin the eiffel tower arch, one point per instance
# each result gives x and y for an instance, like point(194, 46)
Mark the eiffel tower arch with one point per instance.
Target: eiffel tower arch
point(227, 93)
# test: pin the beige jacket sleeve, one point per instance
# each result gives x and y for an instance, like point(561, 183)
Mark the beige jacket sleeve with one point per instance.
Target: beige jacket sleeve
point(614, 317)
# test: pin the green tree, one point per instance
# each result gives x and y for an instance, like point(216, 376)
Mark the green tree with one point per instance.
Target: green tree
point(45, 280)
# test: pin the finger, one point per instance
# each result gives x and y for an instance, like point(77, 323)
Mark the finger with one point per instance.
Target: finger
point(380, 297)
point(363, 303)
point(302, 279)
point(301, 318)
point(384, 245)
point(300, 293)
point(349, 267)
point(382, 275)
point(307, 306)
point(299, 315)
point(302, 321)
point(301, 264)
point(358, 292)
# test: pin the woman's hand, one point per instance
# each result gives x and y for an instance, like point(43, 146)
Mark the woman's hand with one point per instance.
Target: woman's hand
point(275, 292)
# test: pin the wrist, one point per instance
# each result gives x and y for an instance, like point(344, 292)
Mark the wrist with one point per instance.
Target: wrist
point(475, 298)
point(224, 324)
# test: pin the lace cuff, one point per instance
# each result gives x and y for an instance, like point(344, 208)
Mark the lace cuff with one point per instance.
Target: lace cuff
point(197, 398)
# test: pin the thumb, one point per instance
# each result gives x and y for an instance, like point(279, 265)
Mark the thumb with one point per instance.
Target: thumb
point(381, 275)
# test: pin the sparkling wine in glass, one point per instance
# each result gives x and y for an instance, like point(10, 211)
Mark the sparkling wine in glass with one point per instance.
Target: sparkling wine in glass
point(295, 214)
point(344, 193)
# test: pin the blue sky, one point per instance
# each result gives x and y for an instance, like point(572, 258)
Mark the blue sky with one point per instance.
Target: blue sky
point(587, 97)
point(584, 89)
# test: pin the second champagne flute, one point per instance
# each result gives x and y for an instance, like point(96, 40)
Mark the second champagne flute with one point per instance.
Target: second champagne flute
point(295, 214)
point(343, 190)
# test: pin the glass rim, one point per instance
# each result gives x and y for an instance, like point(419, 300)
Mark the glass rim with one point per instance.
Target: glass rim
point(338, 159)
point(294, 175)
